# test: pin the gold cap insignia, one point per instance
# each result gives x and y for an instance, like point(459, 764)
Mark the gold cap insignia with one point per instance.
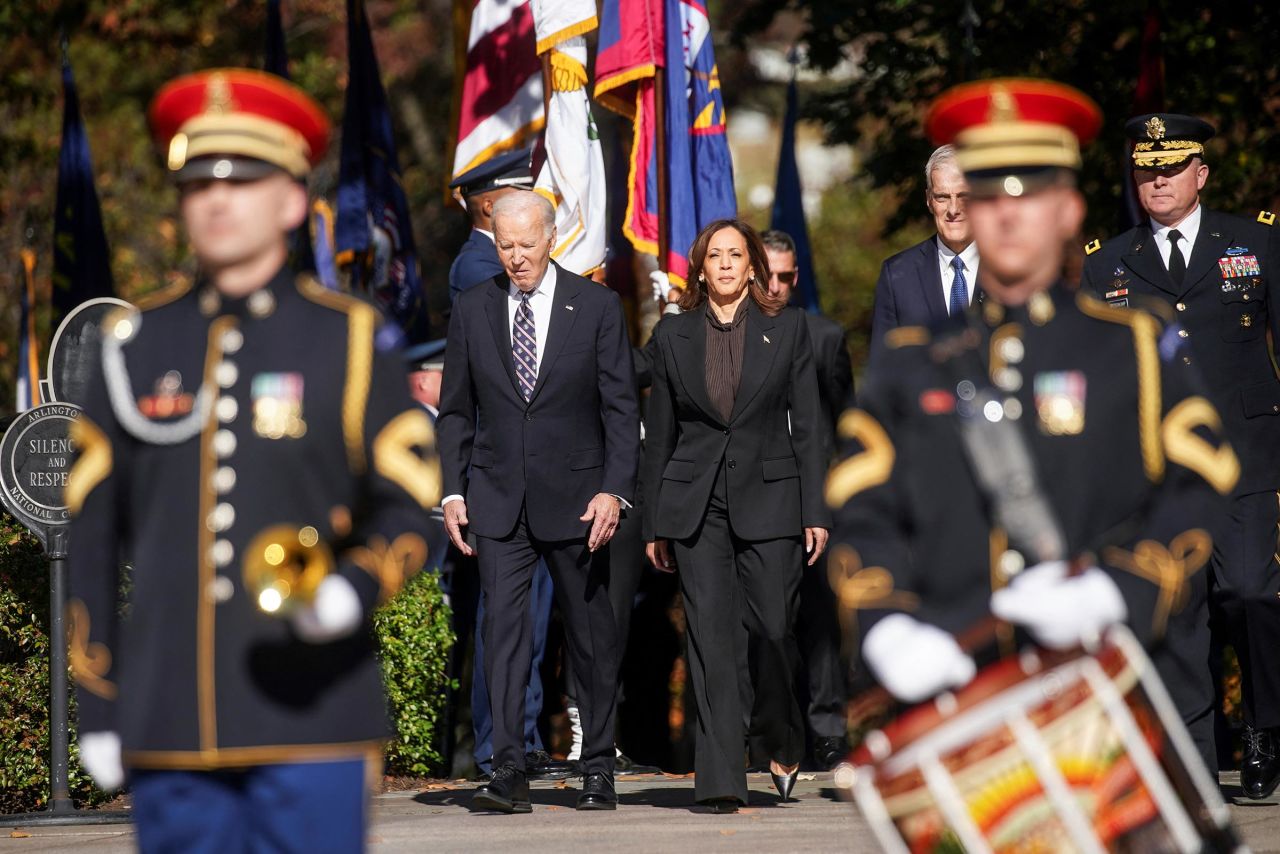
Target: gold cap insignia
point(1155, 128)
point(1003, 107)
point(217, 95)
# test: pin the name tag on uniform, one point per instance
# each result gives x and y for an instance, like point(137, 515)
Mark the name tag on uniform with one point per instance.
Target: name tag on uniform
point(277, 406)
point(1060, 402)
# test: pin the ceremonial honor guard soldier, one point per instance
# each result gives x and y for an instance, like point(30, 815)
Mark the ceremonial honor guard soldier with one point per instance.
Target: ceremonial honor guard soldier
point(1215, 272)
point(1044, 458)
point(479, 189)
point(257, 462)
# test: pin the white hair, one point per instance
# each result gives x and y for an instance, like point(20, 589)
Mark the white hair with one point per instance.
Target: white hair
point(515, 204)
point(942, 155)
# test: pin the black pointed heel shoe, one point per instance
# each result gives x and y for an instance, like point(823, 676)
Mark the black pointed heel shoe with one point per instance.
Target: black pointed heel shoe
point(785, 783)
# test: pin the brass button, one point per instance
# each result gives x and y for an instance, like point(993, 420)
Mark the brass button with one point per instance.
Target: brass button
point(226, 374)
point(1182, 306)
point(1245, 297)
point(227, 409)
point(224, 479)
point(232, 340)
point(1246, 320)
point(1186, 360)
point(221, 589)
point(224, 443)
point(221, 552)
point(1182, 333)
point(220, 518)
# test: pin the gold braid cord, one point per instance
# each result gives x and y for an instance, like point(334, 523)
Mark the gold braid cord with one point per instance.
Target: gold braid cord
point(864, 470)
point(859, 588)
point(391, 563)
point(90, 662)
point(1167, 567)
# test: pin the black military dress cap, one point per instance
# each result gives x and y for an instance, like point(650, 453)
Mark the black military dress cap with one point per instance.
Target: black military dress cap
point(1165, 140)
point(428, 356)
point(513, 169)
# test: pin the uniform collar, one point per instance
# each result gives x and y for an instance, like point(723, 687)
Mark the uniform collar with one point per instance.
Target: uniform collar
point(1189, 228)
point(258, 304)
point(1041, 308)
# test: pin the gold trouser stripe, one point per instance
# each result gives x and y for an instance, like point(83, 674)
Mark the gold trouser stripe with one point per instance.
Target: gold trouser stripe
point(207, 707)
point(93, 464)
point(243, 757)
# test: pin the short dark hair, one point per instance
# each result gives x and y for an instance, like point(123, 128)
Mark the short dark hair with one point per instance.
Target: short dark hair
point(778, 241)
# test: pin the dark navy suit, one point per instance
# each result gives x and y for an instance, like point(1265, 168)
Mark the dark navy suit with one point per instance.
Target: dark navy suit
point(908, 293)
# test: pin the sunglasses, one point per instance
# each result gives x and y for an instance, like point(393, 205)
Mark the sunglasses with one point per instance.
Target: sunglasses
point(787, 278)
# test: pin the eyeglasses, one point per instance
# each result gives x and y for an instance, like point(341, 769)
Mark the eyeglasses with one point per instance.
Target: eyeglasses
point(787, 277)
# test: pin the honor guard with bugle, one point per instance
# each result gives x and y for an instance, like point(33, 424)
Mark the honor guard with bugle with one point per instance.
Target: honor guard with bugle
point(1216, 272)
point(1042, 457)
point(255, 460)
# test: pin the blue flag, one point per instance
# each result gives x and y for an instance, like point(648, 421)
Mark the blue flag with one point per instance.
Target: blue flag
point(81, 263)
point(788, 208)
point(373, 236)
point(28, 378)
point(699, 167)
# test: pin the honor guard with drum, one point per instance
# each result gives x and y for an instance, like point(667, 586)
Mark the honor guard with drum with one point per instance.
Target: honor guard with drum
point(1042, 457)
point(256, 461)
point(1215, 272)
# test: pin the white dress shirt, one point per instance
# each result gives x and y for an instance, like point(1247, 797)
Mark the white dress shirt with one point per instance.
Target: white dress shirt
point(540, 300)
point(969, 257)
point(1189, 228)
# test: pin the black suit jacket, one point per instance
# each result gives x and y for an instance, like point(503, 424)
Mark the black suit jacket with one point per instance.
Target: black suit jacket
point(835, 373)
point(775, 474)
point(1225, 311)
point(580, 433)
point(908, 293)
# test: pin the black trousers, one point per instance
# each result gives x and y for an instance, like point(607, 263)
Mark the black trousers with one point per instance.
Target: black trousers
point(1185, 664)
point(818, 633)
point(1246, 584)
point(727, 584)
point(506, 573)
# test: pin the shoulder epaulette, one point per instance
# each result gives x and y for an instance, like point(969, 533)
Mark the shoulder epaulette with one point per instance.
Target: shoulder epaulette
point(1092, 246)
point(906, 336)
point(319, 294)
point(1266, 218)
point(163, 296)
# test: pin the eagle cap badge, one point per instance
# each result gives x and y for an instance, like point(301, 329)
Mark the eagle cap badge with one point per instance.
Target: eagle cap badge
point(1155, 128)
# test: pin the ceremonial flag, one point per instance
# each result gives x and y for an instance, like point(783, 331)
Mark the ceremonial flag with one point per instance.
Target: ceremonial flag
point(81, 263)
point(699, 167)
point(325, 267)
point(373, 237)
point(28, 377)
point(1148, 97)
point(627, 59)
point(572, 177)
point(788, 206)
point(500, 106)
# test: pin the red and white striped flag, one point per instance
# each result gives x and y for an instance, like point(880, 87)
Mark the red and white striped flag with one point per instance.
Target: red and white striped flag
point(500, 105)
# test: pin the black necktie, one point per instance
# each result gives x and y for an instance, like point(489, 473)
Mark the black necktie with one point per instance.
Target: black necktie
point(1177, 264)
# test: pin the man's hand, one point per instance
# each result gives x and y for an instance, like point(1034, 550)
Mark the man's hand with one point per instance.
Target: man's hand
point(603, 513)
point(815, 543)
point(659, 554)
point(1061, 610)
point(455, 519)
point(100, 756)
point(915, 660)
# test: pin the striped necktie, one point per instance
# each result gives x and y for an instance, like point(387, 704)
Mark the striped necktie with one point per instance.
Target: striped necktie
point(524, 347)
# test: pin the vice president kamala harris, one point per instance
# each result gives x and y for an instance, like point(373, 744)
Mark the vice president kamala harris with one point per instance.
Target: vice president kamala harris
point(733, 475)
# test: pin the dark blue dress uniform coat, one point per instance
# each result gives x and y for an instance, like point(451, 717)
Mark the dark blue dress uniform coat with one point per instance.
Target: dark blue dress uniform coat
point(1228, 300)
point(1127, 453)
point(477, 262)
point(307, 425)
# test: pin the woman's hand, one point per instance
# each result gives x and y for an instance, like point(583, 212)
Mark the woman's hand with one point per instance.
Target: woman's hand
point(815, 543)
point(660, 556)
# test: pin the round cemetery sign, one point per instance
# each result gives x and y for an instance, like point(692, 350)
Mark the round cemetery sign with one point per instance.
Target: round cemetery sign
point(76, 347)
point(35, 459)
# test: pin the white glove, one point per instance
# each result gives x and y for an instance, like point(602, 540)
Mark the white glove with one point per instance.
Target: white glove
point(915, 660)
point(100, 756)
point(1060, 611)
point(334, 613)
point(661, 286)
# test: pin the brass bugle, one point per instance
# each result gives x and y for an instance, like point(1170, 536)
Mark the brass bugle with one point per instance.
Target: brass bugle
point(284, 565)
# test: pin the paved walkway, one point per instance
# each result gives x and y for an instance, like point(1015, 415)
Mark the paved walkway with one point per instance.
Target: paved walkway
point(656, 815)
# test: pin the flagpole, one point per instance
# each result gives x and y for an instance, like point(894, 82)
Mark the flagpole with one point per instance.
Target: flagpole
point(660, 134)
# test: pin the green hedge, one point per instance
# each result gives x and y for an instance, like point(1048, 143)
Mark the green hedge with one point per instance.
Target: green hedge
point(413, 629)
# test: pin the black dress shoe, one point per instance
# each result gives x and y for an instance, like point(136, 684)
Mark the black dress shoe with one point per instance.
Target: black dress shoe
point(624, 765)
point(784, 783)
point(507, 791)
point(720, 806)
point(829, 751)
point(597, 792)
point(1259, 770)
point(539, 765)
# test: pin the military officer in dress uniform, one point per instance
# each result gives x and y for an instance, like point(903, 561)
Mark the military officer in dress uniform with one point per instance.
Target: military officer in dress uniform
point(1039, 458)
point(242, 426)
point(1216, 272)
point(478, 189)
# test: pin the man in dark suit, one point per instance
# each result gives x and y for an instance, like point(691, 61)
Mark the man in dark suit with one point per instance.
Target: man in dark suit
point(478, 189)
point(1215, 271)
point(817, 626)
point(539, 436)
point(929, 282)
